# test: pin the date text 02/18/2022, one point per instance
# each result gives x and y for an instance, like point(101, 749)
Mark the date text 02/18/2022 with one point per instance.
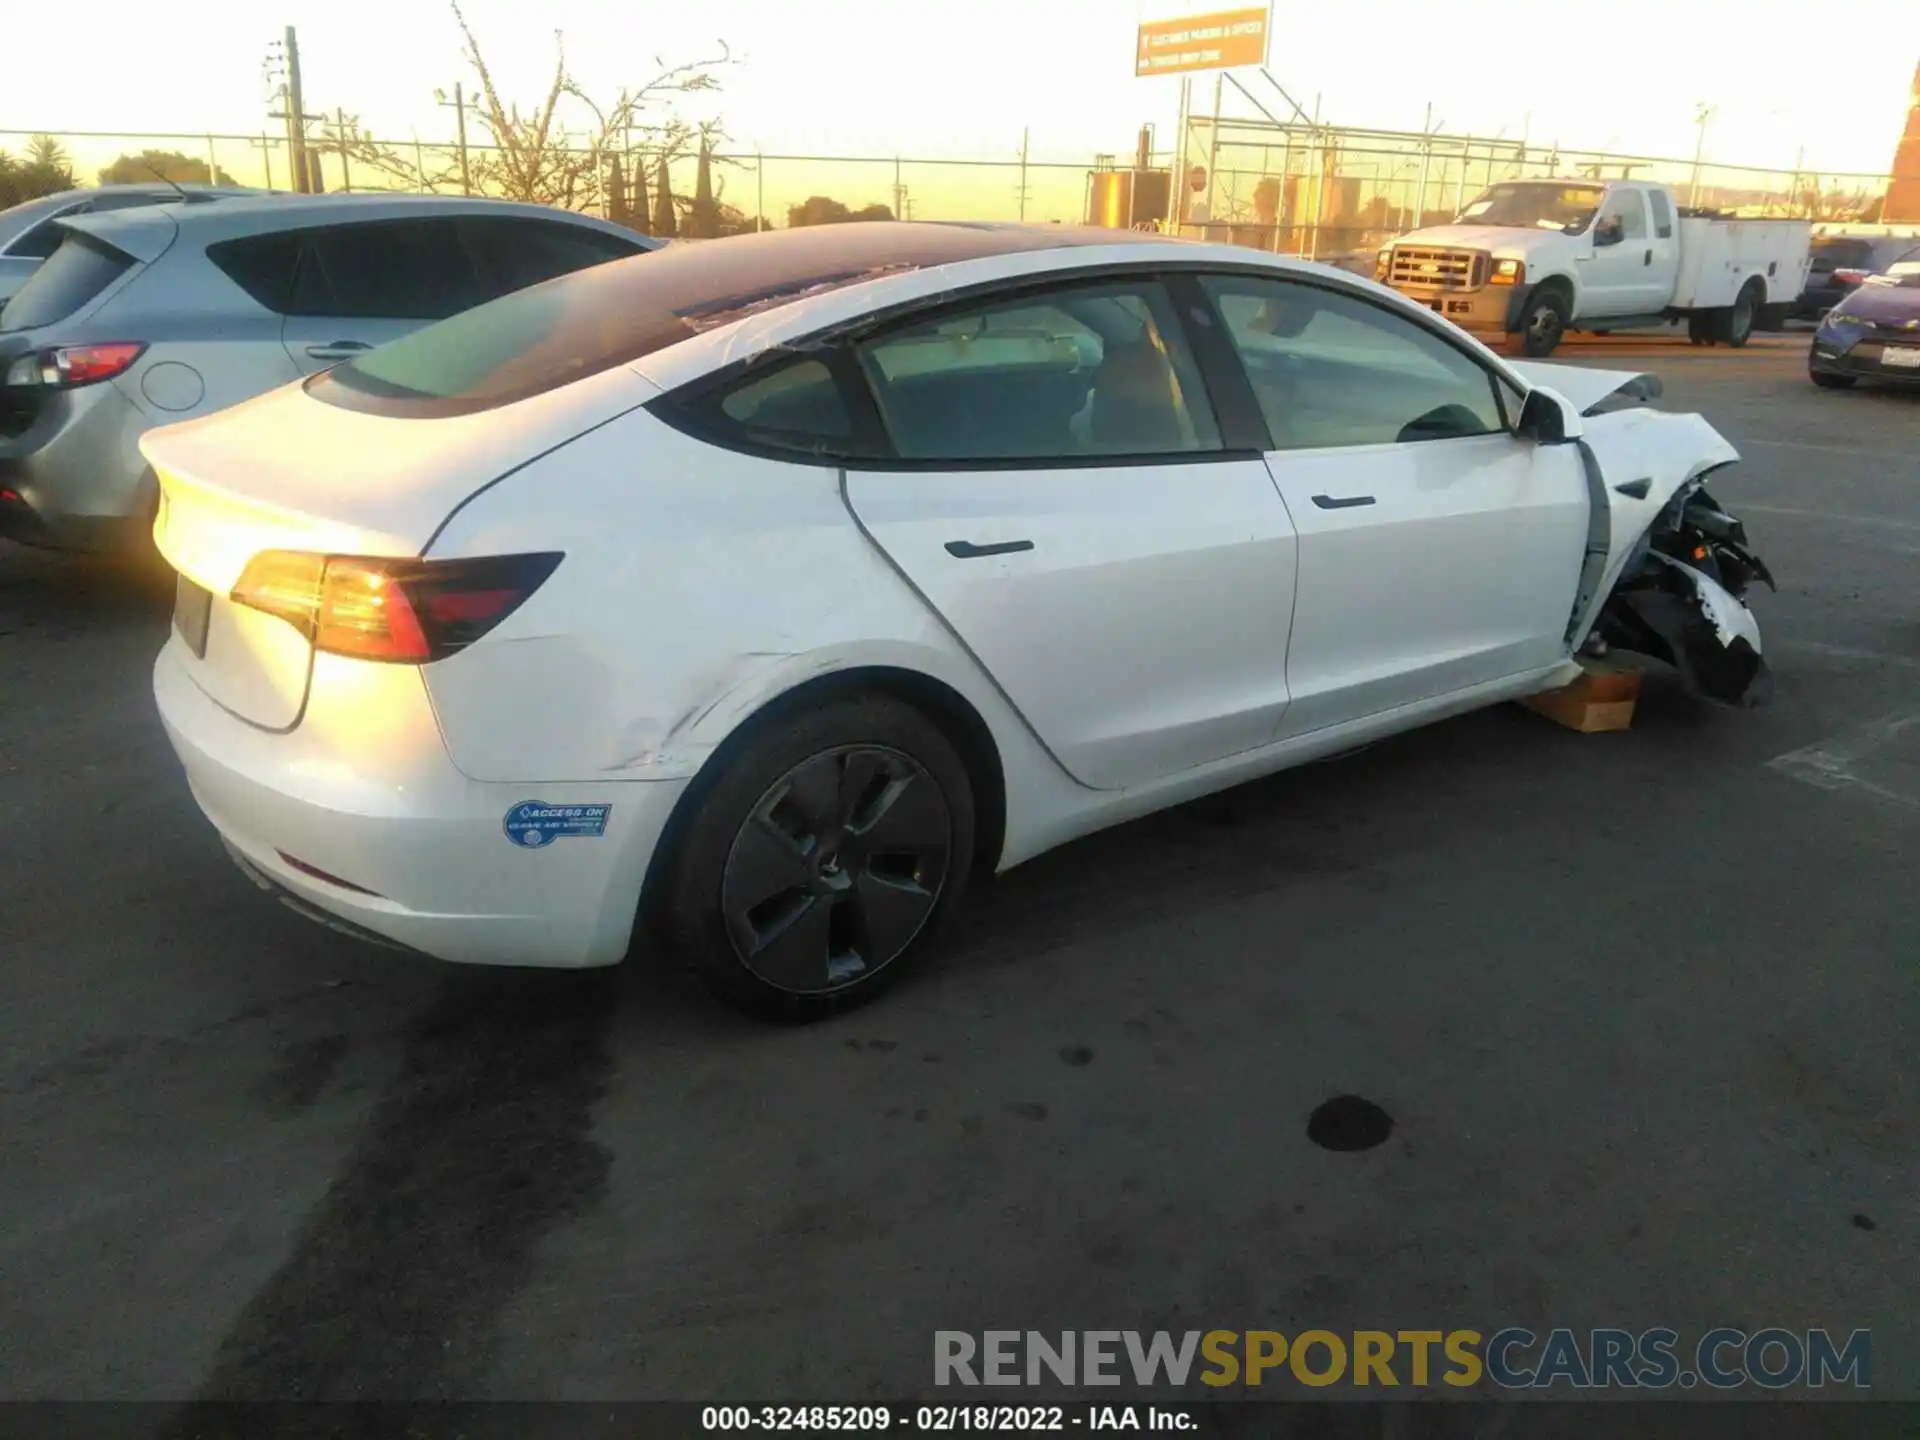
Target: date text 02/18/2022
point(937, 1419)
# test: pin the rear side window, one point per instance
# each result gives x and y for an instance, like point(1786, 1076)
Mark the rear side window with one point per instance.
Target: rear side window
point(512, 253)
point(385, 270)
point(261, 265)
point(1662, 213)
point(43, 239)
point(74, 276)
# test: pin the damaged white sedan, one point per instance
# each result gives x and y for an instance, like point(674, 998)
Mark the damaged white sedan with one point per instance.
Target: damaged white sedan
point(761, 591)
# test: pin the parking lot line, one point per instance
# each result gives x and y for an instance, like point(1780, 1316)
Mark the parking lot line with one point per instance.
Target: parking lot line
point(1829, 764)
point(1850, 451)
point(1848, 652)
point(1879, 522)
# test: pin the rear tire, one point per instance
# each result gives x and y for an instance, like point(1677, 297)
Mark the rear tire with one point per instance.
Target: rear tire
point(1700, 328)
point(823, 858)
point(1736, 321)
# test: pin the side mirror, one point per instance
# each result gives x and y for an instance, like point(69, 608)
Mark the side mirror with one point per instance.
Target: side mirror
point(1546, 418)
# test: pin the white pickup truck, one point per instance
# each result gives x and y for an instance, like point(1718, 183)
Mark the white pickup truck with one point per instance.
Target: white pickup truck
point(1537, 258)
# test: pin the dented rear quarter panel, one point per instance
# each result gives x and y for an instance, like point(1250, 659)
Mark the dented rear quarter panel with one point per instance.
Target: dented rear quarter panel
point(631, 663)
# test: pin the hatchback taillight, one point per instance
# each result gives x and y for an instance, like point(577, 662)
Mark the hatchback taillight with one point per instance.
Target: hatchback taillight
point(402, 610)
point(68, 367)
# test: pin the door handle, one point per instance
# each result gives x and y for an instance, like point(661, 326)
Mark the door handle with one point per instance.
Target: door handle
point(1341, 502)
point(1649, 259)
point(967, 550)
point(338, 349)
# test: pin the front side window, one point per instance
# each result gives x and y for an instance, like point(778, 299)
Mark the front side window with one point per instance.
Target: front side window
point(385, 270)
point(1330, 369)
point(1626, 211)
point(1065, 375)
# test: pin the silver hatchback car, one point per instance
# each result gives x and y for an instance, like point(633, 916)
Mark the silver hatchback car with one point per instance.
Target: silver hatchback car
point(149, 316)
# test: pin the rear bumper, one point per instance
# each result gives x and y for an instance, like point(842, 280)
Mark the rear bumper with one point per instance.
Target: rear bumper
point(1490, 310)
point(78, 472)
point(410, 851)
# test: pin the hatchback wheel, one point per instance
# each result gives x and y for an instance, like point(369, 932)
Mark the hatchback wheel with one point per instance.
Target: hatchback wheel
point(822, 858)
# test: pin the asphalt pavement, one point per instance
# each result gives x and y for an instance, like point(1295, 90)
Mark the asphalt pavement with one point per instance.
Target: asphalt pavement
point(1641, 1008)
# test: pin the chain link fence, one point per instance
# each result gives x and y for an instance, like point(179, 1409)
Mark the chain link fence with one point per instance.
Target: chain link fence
point(1319, 191)
point(1333, 193)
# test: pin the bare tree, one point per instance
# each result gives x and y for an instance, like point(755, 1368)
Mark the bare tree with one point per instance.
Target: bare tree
point(559, 151)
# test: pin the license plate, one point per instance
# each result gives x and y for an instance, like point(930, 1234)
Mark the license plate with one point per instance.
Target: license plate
point(1900, 357)
point(192, 607)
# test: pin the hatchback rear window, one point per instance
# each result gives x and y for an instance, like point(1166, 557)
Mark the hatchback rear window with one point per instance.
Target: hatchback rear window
point(74, 275)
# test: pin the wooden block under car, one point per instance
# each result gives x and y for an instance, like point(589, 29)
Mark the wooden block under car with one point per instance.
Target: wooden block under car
point(1602, 699)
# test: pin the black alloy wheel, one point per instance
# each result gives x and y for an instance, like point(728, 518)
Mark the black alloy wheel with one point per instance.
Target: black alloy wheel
point(818, 858)
point(836, 869)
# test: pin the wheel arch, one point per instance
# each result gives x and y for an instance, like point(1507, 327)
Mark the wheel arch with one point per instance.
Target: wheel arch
point(956, 716)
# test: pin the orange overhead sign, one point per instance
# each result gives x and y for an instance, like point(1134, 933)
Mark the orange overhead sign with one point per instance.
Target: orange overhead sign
point(1217, 41)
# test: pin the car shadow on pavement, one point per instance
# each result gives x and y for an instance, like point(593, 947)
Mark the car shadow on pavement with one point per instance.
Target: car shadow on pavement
point(65, 594)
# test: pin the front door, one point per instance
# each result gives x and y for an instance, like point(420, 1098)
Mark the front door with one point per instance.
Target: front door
point(1063, 502)
point(1437, 551)
point(1614, 278)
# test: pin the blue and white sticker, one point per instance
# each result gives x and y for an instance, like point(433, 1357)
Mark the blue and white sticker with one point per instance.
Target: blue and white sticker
point(534, 825)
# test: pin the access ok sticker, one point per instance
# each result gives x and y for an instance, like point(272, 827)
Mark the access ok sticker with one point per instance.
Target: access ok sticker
point(534, 825)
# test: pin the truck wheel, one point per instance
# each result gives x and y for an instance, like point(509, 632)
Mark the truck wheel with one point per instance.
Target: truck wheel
point(1736, 321)
point(1700, 328)
point(1543, 322)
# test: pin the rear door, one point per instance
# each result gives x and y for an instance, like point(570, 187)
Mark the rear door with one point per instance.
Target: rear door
point(1660, 259)
point(1437, 550)
point(1063, 500)
point(362, 284)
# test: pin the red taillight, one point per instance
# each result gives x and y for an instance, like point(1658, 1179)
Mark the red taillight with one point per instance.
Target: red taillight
point(88, 364)
point(1850, 277)
point(406, 611)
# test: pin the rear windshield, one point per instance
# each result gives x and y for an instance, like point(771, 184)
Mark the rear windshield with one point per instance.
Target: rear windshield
point(75, 273)
point(1841, 253)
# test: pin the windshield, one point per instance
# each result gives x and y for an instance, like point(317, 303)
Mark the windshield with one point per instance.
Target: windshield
point(1532, 204)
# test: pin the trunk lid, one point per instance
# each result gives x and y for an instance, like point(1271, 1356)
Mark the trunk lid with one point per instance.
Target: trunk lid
point(287, 472)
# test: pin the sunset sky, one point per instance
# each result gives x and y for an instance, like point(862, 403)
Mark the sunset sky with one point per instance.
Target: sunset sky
point(846, 77)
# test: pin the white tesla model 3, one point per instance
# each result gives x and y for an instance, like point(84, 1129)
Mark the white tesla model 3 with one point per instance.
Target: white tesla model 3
point(765, 589)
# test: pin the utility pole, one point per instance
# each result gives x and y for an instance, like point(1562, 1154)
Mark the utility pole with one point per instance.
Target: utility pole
point(292, 110)
point(296, 114)
point(1024, 133)
point(459, 104)
point(460, 127)
point(340, 133)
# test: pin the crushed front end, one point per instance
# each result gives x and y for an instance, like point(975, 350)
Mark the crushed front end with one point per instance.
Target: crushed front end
point(1682, 599)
